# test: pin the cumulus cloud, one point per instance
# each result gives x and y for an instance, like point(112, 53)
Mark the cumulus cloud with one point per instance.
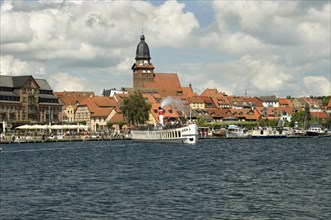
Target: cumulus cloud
point(66, 82)
point(211, 84)
point(317, 85)
point(170, 25)
point(266, 47)
point(12, 66)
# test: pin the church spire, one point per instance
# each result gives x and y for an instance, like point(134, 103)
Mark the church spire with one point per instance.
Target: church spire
point(143, 70)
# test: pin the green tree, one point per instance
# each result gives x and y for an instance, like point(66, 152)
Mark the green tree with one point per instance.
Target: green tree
point(135, 110)
point(201, 122)
point(326, 100)
point(303, 117)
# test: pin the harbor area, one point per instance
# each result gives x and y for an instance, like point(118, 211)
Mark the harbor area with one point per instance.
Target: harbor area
point(35, 137)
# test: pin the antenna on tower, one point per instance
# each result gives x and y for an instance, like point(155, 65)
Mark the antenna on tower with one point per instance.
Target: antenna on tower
point(246, 92)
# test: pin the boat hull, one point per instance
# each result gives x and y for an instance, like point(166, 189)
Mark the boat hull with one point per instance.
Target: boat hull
point(268, 136)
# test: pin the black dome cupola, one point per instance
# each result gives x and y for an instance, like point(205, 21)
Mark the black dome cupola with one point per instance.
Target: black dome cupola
point(142, 52)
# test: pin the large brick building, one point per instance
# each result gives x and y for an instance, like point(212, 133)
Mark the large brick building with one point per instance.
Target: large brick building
point(26, 99)
point(144, 77)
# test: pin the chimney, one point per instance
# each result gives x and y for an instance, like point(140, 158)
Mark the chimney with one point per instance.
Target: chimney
point(161, 116)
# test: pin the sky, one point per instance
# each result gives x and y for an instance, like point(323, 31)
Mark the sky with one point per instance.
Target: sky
point(257, 48)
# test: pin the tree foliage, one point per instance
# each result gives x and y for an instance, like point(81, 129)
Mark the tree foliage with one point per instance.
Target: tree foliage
point(302, 118)
point(135, 110)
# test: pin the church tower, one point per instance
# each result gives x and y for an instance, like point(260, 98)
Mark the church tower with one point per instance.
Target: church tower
point(143, 70)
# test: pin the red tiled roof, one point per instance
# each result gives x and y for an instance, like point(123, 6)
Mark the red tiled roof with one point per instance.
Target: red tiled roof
point(213, 92)
point(196, 99)
point(71, 98)
point(99, 105)
point(284, 102)
point(116, 118)
point(188, 92)
point(322, 115)
point(167, 84)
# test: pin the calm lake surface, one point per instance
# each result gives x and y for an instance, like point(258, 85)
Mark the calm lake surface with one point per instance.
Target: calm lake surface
point(215, 179)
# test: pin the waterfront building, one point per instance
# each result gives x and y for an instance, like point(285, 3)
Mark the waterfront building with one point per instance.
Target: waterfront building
point(96, 112)
point(70, 100)
point(25, 99)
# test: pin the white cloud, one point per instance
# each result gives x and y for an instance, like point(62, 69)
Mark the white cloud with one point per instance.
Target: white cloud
point(12, 66)
point(211, 84)
point(266, 47)
point(317, 85)
point(66, 82)
point(15, 27)
point(170, 25)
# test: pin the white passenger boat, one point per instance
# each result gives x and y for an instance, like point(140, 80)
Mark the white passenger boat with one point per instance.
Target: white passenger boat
point(235, 131)
point(187, 135)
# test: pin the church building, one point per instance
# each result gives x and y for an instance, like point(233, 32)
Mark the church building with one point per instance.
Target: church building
point(144, 77)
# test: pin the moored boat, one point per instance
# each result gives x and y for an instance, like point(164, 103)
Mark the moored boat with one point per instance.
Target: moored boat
point(264, 133)
point(296, 133)
point(315, 131)
point(235, 131)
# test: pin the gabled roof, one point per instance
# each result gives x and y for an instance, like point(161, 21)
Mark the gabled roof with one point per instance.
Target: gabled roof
point(119, 97)
point(99, 106)
point(99, 101)
point(6, 81)
point(188, 92)
point(321, 115)
point(272, 110)
point(101, 112)
point(313, 103)
point(285, 102)
point(253, 101)
point(208, 101)
point(196, 99)
point(43, 84)
point(19, 81)
point(116, 118)
point(167, 84)
point(213, 93)
point(71, 97)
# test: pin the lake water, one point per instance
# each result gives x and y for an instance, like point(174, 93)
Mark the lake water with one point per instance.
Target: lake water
point(215, 179)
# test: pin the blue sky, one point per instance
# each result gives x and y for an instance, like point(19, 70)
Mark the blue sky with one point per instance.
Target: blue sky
point(265, 47)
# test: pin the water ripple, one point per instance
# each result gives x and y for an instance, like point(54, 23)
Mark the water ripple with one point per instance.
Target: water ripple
point(216, 179)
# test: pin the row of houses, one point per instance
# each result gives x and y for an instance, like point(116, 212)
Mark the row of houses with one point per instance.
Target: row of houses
point(211, 106)
point(24, 99)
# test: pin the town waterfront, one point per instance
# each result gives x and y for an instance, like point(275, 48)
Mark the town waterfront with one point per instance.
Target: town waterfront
point(215, 179)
